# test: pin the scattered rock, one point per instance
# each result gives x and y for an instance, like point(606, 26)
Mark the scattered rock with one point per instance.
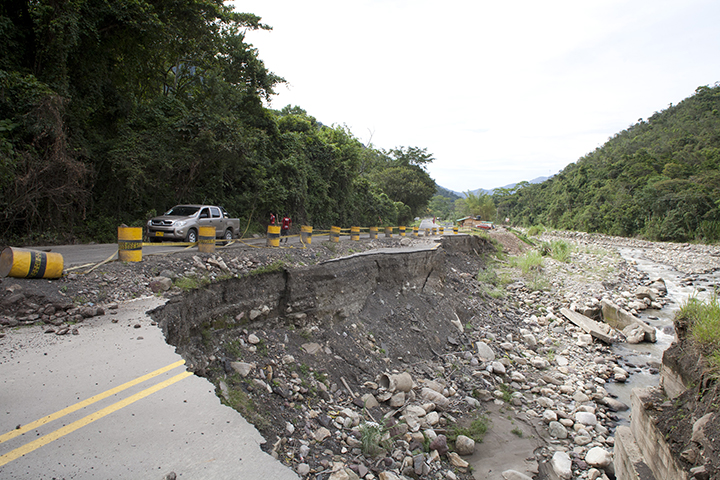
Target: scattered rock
point(464, 445)
point(598, 457)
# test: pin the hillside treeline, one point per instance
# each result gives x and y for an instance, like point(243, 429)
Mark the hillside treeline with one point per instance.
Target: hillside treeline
point(111, 112)
point(658, 179)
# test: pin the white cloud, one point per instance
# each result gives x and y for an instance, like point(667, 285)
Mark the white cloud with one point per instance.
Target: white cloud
point(498, 92)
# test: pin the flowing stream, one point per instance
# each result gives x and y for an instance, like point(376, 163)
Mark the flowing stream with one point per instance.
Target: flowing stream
point(643, 360)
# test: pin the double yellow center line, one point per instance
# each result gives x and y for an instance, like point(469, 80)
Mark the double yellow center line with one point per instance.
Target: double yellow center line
point(44, 440)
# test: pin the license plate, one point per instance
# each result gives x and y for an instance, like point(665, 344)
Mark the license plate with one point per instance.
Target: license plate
point(159, 234)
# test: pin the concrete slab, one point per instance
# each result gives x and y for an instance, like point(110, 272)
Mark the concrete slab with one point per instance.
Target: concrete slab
point(171, 422)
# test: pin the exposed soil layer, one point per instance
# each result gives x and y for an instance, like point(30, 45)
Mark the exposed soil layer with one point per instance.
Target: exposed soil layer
point(694, 442)
point(332, 328)
point(317, 332)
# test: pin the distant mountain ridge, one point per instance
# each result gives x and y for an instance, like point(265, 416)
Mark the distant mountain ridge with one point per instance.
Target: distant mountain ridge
point(659, 180)
point(484, 191)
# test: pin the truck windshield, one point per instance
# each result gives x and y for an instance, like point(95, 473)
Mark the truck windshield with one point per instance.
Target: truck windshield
point(182, 211)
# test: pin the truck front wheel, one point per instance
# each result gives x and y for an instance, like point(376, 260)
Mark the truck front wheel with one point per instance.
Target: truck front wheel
point(228, 235)
point(191, 236)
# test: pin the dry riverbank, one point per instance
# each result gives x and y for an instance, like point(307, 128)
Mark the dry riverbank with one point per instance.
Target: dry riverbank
point(484, 340)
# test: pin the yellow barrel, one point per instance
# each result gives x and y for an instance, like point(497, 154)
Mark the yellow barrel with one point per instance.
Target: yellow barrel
point(306, 234)
point(130, 244)
point(335, 234)
point(273, 236)
point(373, 233)
point(206, 240)
point(455, 230)
point(434, 230)
point(355, 233)
point(388, 232)
point(427, 232)
point(25, 263)
point(442, 230)
point(416, 231)
point(402, 231)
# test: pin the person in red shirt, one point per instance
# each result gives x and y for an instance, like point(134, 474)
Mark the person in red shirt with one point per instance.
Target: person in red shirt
point(272, 219)
point(285, 227)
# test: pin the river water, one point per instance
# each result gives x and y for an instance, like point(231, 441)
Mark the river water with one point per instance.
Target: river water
point(643, 360)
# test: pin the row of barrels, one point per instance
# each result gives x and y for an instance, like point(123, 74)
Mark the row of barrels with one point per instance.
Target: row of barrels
point(306, 233)
point(26, 263)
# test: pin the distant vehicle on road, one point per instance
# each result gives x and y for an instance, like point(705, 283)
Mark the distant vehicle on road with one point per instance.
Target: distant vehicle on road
point(183, 222)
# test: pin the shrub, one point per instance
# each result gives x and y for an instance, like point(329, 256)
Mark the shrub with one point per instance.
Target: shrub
point(703, 318)
point(476, 430)
point(535, 230)
point(374, 438)
point(532, 260)
point(560, 250)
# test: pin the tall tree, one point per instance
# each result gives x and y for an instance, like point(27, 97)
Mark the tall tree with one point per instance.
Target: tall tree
point(402, 175)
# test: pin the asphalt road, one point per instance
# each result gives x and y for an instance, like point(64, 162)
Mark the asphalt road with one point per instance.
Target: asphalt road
point(76, 255)
point(117, 402)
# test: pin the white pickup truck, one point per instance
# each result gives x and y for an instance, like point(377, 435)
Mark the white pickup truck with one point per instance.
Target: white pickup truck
point(183, 222)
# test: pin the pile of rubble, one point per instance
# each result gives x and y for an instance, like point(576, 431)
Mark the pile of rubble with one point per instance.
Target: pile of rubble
point(333, 405)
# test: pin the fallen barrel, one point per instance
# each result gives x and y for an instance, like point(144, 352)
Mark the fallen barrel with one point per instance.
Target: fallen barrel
point(25, 263)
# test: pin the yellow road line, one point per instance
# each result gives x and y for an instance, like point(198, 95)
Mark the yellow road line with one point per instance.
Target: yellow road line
point(72, 408)
point(60, 432)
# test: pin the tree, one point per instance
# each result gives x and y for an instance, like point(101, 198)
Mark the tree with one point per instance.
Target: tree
point(402, 175)
point(479, 204)
point(441, 207)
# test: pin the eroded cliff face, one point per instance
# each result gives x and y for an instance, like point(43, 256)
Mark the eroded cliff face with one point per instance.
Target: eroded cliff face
point(403, 297)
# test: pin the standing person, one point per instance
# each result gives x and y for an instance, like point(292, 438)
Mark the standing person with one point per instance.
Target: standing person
point(285, 227)
point(272, 219)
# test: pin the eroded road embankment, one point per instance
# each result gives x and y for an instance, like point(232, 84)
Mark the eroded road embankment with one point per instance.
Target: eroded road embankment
point(382, 289)
point(299, 352)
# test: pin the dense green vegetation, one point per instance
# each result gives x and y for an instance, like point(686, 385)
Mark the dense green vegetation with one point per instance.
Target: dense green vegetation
point(702, 320)
point(111, 112)
point(659, 179)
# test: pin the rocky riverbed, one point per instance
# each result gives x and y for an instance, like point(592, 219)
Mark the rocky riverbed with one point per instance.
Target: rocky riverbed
point(334, 400)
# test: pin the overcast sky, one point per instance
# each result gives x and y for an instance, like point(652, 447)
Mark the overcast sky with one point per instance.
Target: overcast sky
point(497, 91)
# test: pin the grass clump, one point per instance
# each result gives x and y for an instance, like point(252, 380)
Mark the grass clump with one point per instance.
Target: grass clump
point(560, 250)
point(241, 402)
point(703, 319)
point(487, 275)
point(507, 393)
point(374, 438)
point(476, 430)
point(531, 261)
point(191, 282)
point(490, 282)
point(275, 266)
point(536, 230)
point(538, 283)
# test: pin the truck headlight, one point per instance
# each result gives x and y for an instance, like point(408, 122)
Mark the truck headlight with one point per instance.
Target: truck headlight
point(180, 223)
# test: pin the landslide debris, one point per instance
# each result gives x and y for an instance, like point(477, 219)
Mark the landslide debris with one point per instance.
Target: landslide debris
point(306, 376)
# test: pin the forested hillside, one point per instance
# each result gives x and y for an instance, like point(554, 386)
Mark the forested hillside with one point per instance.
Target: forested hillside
point(111, 112)
point(659, 179)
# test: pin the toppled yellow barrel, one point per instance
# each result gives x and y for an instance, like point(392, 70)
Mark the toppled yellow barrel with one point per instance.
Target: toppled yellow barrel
point(26, 263)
